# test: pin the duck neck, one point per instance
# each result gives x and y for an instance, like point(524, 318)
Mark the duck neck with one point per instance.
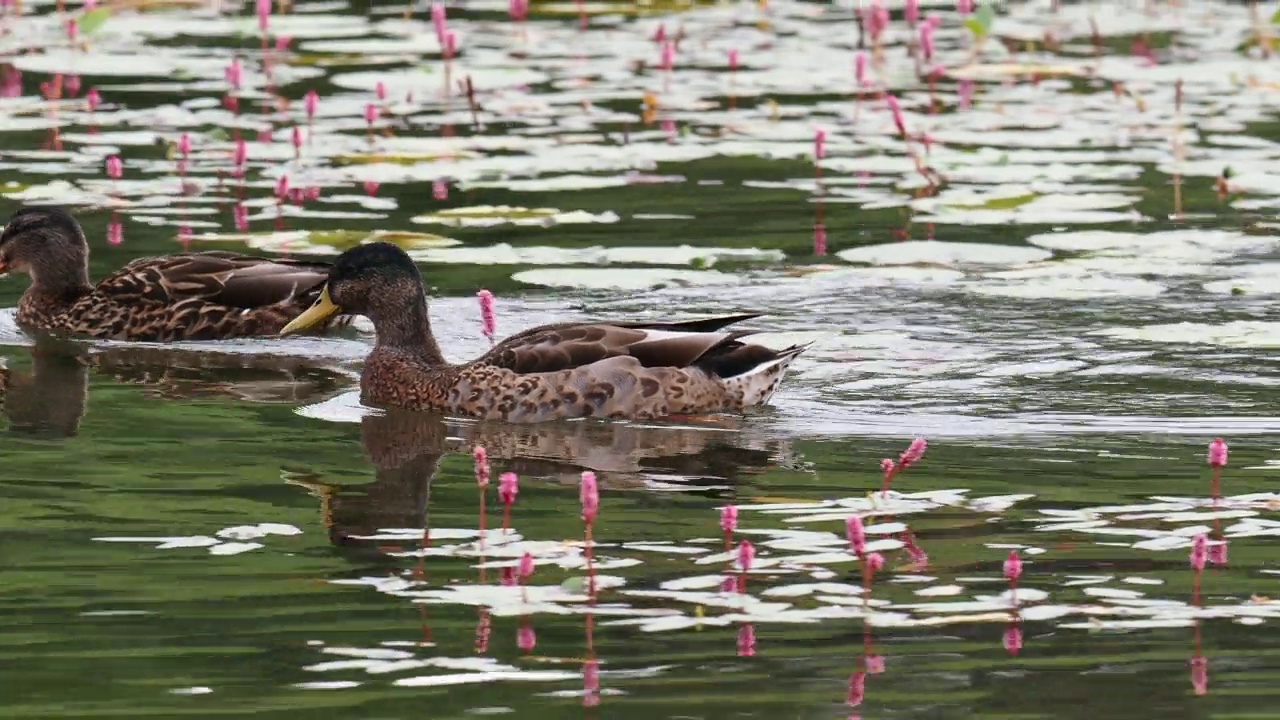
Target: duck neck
point(408, 330)
point(57, 286)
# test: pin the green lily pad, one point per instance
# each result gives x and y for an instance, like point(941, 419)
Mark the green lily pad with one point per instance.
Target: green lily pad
point(90, 21)
point(999, 203)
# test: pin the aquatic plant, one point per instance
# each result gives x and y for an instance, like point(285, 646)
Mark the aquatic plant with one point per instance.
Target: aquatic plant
point(508, 488)
point(488, 324)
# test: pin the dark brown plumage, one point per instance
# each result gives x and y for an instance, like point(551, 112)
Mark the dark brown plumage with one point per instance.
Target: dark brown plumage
point(567, 370)
point(191, 296)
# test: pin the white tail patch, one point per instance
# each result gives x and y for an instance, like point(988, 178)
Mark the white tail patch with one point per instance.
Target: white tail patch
point(758, 384)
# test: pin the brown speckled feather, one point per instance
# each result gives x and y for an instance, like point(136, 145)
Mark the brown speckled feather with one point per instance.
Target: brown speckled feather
point(594, 370)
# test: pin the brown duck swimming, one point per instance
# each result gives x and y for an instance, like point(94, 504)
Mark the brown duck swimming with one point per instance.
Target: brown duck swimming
point(613, 369)
point(192, 296)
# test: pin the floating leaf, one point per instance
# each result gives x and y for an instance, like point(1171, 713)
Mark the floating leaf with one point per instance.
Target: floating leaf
point(980, 22)
point(93, 19)
point(1000, 203)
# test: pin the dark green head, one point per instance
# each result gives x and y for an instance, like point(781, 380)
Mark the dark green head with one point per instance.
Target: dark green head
point(375, 280)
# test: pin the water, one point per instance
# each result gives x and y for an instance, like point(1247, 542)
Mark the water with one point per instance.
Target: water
point(1069, 318)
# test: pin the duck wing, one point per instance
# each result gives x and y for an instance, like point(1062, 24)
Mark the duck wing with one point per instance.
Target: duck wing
point(222, 278)
point(549, 348)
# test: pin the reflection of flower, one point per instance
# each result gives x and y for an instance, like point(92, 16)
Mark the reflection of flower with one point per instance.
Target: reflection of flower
point(1218, 553)
point(857, 688)
point(746, 640)
point(1199, 675)
point(1012, 640)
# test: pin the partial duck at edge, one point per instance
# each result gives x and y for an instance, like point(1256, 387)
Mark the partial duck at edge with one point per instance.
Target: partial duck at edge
point(190, 296)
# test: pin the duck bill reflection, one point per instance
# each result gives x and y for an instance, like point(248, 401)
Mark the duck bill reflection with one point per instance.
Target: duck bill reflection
point(321, 310)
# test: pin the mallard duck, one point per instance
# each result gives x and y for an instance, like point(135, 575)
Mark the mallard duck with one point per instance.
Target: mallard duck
point(191, 296)
point(633, 370)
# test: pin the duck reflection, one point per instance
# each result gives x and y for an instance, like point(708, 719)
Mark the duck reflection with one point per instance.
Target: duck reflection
point(45, 394)
point(406, 448)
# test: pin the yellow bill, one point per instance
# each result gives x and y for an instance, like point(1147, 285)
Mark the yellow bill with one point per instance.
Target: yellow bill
point(321, 310)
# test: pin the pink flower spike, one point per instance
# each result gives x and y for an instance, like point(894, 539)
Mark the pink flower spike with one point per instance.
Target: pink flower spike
point(184, 144)
point(1217, 453)
point(450, 45)
point(668, 56)
point(589, 494)
point(264, 13)
point(310, 102)
point(115, 233)
point(1013, 566)
point(72, 85)
point(296, 138)
point(933, 19)
point(313, 193)
point(234, 74)
point(525, 569)
point(729, 518)
point(487, 323)
point(860, 68)
point(964, 7)
point(856, 535)
point(1199, 552)
point(911, 11)
point(282, 42)
point(913, 453)
point(746, 555)
point(371, 187)
point(480, 461)
point(282, 187)
point(660, 35)
point(875, 561)
point(733, 59)
point(240, 215)
point(965, 90)
point(438, 21)
point(926, 41)
point(819, 144)
point(508, 487)
point(819, 239)
point(875, 20)
point(380, 90)
point(886, 466)
point(896, 110)
point(88, 4)
point(114, 167)
point(73, 30)
point(370, 113)
point(440, 190)
point(92, 99)
point(241, 153)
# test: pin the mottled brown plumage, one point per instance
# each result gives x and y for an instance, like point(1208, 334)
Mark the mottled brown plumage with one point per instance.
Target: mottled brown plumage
point(191, 296)
point(617, 370)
